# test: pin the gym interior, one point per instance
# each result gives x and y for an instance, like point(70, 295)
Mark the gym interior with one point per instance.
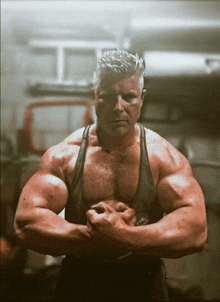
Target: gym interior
point(49, 51)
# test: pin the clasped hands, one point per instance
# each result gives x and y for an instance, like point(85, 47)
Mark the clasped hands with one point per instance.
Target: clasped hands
point(107, 225)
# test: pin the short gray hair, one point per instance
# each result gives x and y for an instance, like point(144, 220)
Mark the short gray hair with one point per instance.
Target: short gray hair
point(118, 64)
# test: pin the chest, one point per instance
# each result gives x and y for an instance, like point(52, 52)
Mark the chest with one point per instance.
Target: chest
point(110, 176)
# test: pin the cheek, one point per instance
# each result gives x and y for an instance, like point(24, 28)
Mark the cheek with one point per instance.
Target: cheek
point(135, 111)
point(100, 107)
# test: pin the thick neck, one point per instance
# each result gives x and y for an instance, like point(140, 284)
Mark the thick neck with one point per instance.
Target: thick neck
point(120, 142)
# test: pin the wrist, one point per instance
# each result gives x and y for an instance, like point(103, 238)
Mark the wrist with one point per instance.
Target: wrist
point(134, 239)
point(83, 232)
point(126, 238)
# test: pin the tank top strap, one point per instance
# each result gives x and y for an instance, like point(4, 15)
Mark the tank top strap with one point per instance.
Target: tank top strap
point(145, 164)
point(78, 170)
point(143, 142)
point(75, 212)
point(146, 193)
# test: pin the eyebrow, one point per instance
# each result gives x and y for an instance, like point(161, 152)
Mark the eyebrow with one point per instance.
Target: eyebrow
point(132, 92)
point(102, 93)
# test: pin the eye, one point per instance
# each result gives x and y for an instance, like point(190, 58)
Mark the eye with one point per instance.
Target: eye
point(128, 97)
point(101, 97)
point(105, 97)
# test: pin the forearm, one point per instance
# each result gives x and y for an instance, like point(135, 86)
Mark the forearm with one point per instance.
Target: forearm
point(171, 237)
point(48, 233)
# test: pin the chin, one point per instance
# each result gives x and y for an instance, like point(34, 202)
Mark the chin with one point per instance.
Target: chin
point(116, 129)
point(119, 131)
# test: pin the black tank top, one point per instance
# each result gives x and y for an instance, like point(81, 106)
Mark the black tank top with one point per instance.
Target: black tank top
point(147, 210)
point(146, 207)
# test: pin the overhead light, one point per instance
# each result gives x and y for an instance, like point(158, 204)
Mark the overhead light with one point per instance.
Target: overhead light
point(161, 63)
point(163, 23)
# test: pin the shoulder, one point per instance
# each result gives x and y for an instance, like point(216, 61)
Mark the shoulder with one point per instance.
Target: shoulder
point(57, 157)
point(166, 157)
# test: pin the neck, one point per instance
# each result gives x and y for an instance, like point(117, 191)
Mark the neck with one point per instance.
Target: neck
point(116, 142)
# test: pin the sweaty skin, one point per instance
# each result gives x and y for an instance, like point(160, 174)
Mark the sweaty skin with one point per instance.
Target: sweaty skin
point(110, 181)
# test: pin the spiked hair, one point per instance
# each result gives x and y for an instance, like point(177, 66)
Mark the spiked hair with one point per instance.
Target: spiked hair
point(116, 64)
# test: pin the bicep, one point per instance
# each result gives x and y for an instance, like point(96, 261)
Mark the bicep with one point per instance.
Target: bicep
point(180, 189)
point(44, 190)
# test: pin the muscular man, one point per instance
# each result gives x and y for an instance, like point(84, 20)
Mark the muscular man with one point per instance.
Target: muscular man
point(130, 197)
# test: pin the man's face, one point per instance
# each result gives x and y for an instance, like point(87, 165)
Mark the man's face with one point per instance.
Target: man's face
point(118, 104)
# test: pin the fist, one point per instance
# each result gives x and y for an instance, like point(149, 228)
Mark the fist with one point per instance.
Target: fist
point(126, 213)
point(108, 225)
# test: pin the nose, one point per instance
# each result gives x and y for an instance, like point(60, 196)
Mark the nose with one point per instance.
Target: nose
point(119, 106)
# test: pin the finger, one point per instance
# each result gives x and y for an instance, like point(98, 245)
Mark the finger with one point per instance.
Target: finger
point(129, 213)
point(129, 216)
point(89, 226)
point(130, 221)
point(126, 216)
point(96, 216)
point(120, 207)
point(92, 216)
point(102, 207)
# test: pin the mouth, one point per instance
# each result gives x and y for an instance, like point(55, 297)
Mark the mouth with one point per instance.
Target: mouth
point(119, 121)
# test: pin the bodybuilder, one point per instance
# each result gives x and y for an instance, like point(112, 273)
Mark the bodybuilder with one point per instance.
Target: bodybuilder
point(130, 197)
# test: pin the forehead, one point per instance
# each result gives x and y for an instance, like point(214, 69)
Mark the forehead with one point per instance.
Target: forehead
point(127, 82)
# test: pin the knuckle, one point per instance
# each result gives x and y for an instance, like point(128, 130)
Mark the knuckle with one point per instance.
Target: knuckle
point(131, 211)
point(89, 213)
point(120, 206)
point(101, 203)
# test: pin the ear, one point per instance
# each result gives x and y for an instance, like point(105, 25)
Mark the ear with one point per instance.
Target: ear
point(95, 95)
point(93, 92)
point(143, 94)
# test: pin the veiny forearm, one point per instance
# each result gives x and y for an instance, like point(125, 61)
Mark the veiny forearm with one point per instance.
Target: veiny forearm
point(46, 232)
point(175, 235)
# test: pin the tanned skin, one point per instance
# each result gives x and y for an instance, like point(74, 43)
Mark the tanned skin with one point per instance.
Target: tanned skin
point(110, 182)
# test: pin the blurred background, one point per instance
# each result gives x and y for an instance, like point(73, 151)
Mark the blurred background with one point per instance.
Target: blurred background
point(48, 53)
